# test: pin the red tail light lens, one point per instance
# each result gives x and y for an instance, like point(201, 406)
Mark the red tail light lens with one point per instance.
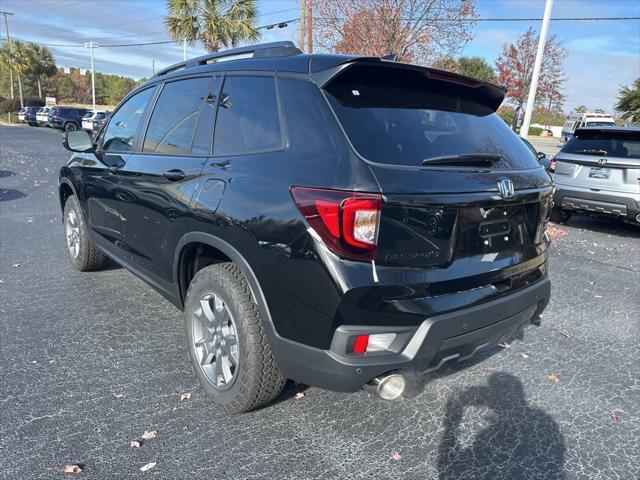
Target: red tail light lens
point(552, 165)
point(347, 222)
point(360, 344)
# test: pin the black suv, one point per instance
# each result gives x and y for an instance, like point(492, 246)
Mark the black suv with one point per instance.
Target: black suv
point(341, 221)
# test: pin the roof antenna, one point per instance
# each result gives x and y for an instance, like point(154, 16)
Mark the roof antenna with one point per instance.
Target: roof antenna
point(390, 58)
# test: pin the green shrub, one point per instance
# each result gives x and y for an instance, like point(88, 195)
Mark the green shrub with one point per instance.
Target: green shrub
point(535, 131)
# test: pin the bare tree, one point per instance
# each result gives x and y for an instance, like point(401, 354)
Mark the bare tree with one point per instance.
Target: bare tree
point(418, 31)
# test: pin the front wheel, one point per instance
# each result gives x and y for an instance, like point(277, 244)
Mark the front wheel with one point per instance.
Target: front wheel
point(227, 341)
point(83, 256)
point(560, 215)
point(70, 126)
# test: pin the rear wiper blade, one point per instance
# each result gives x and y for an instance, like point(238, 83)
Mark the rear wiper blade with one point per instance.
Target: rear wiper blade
point(486, 158)
point(592, 152)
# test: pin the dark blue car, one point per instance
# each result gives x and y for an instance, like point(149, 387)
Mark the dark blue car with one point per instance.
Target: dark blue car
point(67, 118)
point(30, 115)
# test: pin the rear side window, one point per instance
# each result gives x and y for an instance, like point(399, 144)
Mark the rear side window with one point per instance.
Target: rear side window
point(248, 120)
point(122, 128)
point(612, 144)
point(175, 116)
point(401, 117)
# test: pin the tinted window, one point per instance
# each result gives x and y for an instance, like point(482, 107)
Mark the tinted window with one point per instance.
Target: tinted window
point(248, 119)
point(613, 144)
point(400, 117)
point(175, 115)
point(120, 132)
point(99, 116)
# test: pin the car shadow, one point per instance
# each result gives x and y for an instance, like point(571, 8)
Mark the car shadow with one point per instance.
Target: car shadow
point(516, 440)
point(604, 224)
point(6, 173)
point(9, 194)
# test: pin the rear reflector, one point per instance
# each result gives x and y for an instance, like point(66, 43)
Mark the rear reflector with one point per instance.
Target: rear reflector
point(346, 221)
point(360, 344)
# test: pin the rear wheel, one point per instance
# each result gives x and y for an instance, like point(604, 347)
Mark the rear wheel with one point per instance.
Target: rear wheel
point(82, 254)
point(70, 126)
point(560, 215)
point(227, 342)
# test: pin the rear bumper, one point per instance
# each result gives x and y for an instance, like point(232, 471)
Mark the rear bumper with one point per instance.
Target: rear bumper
point(427, 347)
point(584, 199)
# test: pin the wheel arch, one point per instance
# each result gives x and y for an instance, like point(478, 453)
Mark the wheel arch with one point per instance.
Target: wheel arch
point(65, 190)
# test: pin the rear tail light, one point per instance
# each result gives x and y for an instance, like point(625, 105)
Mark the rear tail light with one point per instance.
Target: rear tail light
point(552, 165)
point(347, 222)
point(375, 342)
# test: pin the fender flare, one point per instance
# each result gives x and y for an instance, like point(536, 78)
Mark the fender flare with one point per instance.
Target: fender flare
point(236, 257)
point(65, 181)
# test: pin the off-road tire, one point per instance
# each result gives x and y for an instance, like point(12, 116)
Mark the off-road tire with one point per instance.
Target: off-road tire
point(560, 215)
point(88, 258)
point(258, 380)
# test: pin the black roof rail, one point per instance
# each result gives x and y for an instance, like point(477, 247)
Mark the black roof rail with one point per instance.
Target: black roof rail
point(261, 50)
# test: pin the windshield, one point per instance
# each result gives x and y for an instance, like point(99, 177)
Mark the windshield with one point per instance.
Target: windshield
point(392, 118)
point(600, 124)
point(612, 144)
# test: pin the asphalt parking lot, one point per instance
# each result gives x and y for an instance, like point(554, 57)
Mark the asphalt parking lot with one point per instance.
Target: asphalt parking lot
point(90, 361)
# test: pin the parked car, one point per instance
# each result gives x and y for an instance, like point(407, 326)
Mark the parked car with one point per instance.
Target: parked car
point(100, 121)
point(598, 170)
point(21, 115)
point(331, 219)
point(91, 119)
point(541, 156)
point(583, 120)
point(30, 115)
point(67, 118)
point(42, 116)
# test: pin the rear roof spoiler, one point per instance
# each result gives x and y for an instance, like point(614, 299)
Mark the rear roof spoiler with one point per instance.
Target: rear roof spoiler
point(487, 93)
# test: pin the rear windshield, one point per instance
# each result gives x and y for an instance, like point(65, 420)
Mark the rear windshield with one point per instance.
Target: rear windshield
point(402, 118)
point(600, 124)
point(612, 144)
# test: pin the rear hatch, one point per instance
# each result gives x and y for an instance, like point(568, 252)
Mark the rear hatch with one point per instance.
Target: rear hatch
point(461, 192)
point(601, 159)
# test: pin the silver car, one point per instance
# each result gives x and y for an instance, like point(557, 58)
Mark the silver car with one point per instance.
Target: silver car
point(598, 170)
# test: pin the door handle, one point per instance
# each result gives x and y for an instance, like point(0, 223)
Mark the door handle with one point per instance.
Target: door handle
point(174, 175)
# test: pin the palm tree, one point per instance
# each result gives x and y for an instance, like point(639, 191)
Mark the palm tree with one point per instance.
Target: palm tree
point(18, 60)
point(41, 63)
point(216, 23)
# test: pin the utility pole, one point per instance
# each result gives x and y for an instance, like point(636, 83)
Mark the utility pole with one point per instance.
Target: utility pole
point(524, 130)
point(303, 25)
point(91, 46)
point(309, 26)
point(6, 25)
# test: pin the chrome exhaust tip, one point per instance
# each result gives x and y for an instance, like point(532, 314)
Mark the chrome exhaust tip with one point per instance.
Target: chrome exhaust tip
point(390, 387)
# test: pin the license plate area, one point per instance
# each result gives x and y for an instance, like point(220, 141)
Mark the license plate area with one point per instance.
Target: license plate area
point(598, 172)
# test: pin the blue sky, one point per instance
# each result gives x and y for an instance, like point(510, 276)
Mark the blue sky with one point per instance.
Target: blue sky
point(602, 55)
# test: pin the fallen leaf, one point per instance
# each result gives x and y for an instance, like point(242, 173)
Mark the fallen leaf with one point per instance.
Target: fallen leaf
point(525, 355)
point(147, 466)
point(185, 428)
point(489, 369)
point(564, 333)
point(299, 395)
point(185, 396)
point(396, 456)
point(614, 416)
point(15, 265)
point(627, 288)
point(598, 296)
point(110, 348)
point(52, 360)
point(149, 435)
point(553, 378)
point(135, 444)
point(118, 395)
point(615, 311)
point(72, 469)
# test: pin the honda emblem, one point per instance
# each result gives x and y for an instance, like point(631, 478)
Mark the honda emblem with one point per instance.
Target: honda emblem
point(505, 187)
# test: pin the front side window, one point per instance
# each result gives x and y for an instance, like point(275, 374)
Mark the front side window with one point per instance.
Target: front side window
point(248, 120)
point(120, 133)
point(175, 116)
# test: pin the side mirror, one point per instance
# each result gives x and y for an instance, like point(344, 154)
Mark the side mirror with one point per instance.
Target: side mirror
point(78, 141)
point(541, 155)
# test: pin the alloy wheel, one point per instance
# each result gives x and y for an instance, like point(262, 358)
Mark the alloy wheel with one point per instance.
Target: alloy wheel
point(72, 232)
point(215, 341)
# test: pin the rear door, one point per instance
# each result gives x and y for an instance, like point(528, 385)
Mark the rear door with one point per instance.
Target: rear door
point(461, 191)
point(158, 180)
point(601, 160)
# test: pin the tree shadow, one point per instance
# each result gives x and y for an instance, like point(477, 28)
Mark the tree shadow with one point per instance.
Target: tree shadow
point(518, 441)
point(9, 194)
